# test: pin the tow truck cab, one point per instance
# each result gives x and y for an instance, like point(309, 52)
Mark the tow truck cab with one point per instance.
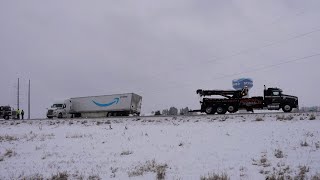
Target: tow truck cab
point(274, 99)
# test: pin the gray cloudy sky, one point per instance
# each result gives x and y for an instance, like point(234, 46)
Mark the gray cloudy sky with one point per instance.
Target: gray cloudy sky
point(163, 50)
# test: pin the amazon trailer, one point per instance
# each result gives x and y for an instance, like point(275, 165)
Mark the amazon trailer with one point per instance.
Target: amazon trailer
point(97, 106)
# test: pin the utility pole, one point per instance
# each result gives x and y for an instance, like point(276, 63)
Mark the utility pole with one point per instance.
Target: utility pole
point(29, 101)
point(18, 103)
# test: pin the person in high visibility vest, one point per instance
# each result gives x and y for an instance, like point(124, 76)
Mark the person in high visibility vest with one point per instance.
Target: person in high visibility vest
point(18, 114)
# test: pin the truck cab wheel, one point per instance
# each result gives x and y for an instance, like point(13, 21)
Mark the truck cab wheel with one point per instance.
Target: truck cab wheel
point(221, 110)
point(209, 110)
point(287, 108)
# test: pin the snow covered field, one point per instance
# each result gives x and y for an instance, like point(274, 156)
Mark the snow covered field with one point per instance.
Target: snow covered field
point(183, 147)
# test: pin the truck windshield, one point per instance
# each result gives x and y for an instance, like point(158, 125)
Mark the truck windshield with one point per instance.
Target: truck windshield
point(57, 106)
point(276, 93)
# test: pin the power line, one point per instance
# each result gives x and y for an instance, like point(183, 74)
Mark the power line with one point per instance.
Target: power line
point(254, 70)
point(270, 66)
point(261, 47)
point(244, 72)
point(249, 50)
point(258, 69)
point(272, 43)
point(277, 21)
point(274, 22)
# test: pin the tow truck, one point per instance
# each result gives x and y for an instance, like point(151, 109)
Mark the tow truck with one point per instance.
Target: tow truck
point(235, 100)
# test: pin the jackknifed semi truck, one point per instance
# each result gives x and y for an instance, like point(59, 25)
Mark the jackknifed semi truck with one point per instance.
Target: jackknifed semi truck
point(97, 106)
point(234, 100)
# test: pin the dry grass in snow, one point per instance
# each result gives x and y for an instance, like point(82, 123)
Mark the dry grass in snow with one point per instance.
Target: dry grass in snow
point(184, 147)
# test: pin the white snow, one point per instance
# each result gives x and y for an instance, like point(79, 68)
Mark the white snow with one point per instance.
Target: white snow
point(190, 146)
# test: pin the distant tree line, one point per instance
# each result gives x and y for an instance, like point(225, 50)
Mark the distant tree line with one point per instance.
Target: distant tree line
point(309, 109)
point(172, 111)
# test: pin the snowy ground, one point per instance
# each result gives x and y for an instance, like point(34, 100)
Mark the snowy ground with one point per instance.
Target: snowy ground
point(240, 146)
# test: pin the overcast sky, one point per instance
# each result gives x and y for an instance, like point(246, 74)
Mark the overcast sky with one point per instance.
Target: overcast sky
point(162, 50)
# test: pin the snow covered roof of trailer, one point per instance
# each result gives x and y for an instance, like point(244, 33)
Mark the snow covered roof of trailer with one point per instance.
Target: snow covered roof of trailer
point(105, 95)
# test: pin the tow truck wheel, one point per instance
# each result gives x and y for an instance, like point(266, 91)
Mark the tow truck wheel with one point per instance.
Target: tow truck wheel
point(209, 110)
point(60, 115)
point(221, 110)
point(232, 109)
point(287, 108)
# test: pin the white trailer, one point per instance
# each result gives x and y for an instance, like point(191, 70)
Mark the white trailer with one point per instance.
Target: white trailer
point(98, 106)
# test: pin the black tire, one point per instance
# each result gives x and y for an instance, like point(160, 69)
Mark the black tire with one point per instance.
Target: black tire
point(109, 114)
point(209, 110)
point(60, 115)
point(287, 108)
point(232, 109)
point(6, 117)
point(221, 110)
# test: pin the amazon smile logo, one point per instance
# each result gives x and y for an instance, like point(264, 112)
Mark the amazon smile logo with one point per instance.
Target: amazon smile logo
point(115, 101)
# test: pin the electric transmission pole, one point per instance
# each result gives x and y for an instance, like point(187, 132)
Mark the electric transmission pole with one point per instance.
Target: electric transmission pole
point(18, 103)
point(29, 101)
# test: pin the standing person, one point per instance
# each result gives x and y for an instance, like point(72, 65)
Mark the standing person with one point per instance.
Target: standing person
point(18, 114)
point(22, 113)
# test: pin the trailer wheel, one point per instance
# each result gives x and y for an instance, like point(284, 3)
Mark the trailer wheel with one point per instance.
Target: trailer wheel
point(287, 108)
point(221, 110)
point(60, 115)
point(209, 110)
point(232, 109)
point(109, 114)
